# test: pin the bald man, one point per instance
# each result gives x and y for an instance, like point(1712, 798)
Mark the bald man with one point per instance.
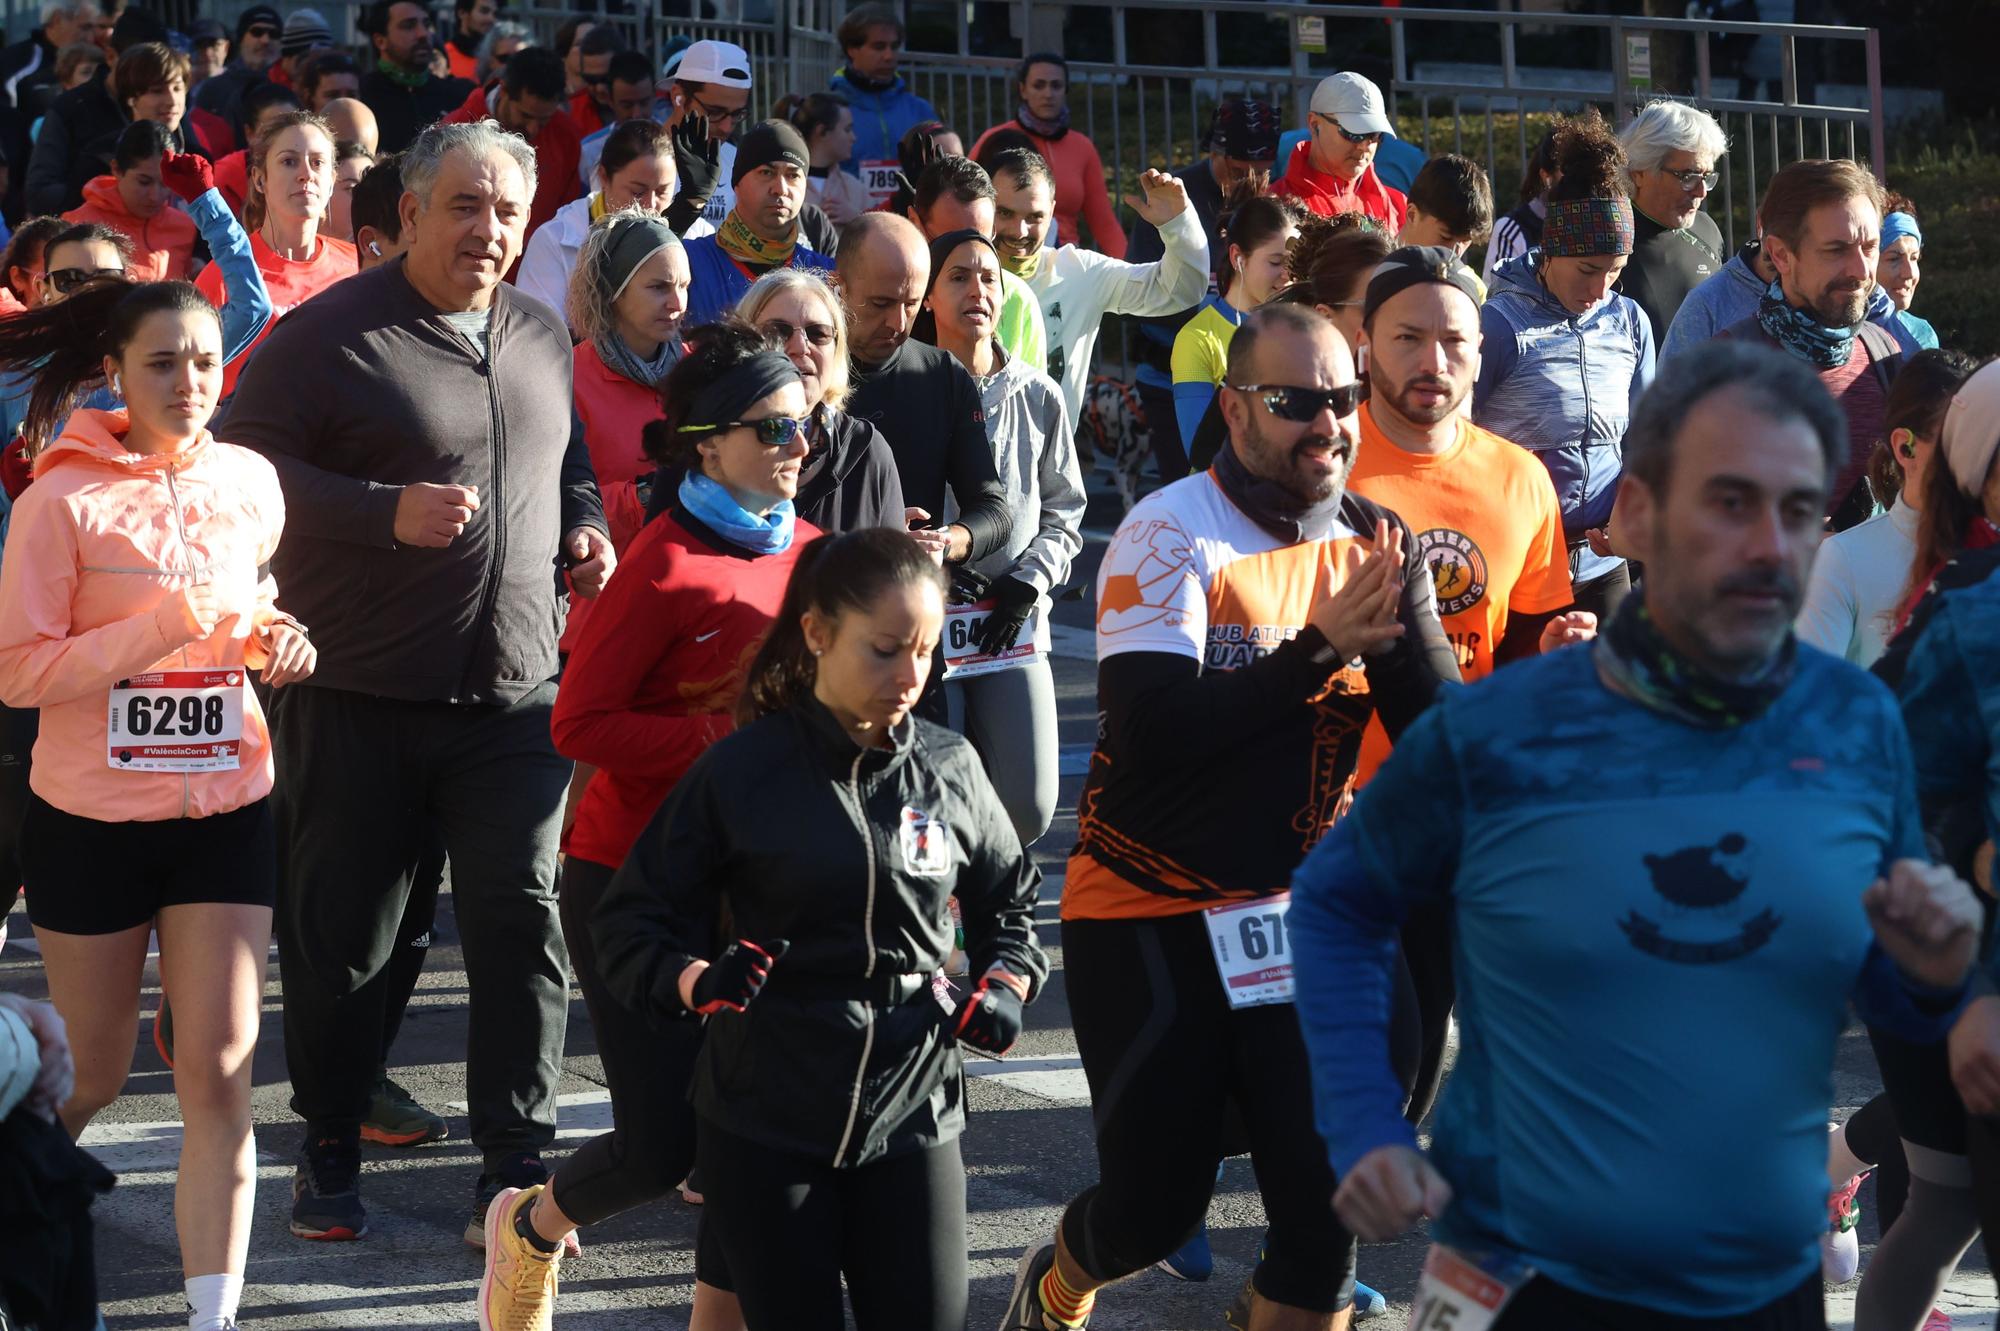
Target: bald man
point(354, 122)
point(922, 399)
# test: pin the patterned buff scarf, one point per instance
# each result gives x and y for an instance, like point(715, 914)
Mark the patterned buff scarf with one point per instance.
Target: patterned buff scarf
point(406, 77)
point(1048, 129)
point(1633, 658)
point(739, 242)
point(1800, 333)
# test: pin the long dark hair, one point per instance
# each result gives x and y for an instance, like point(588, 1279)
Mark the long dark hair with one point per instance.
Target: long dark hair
point(61, 348)
point(713, 350)
point(1917, 402)
point(834, 573)
point(1252, 218)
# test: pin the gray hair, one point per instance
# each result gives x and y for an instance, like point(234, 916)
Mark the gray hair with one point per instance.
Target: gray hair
point(1778, 386)
point(484, 65)
point(834, 383)
point(425, 156)
point(56, 9)
point(1666, 126)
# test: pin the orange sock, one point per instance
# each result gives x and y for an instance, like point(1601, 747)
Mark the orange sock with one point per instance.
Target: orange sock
point(1070, 1307)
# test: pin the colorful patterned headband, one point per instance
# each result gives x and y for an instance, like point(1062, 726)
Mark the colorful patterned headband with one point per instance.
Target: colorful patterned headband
point(1579, 228)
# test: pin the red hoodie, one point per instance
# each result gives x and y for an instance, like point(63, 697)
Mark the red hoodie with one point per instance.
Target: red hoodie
point(162, 245)
point(1329, 195)
point(558, 158)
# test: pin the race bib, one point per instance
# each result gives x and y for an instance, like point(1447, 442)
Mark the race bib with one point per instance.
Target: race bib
point(881, 178)
point(962, 657)
point(1253, 952)
point(1461, 1292)
point(177, 721)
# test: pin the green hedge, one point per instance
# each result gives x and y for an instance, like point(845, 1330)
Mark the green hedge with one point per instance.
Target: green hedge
point(1951, 170)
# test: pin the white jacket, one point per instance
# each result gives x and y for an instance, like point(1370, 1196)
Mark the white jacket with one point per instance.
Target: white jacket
point(1078, 287)
point(552, 251)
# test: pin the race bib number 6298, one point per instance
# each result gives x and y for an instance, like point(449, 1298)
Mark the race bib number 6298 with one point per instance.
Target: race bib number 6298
point(176, 721)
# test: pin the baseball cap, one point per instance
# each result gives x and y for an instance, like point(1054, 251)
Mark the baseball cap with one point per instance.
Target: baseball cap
point(205, 30)
point(1414, 265)
point(724, 63)
point(1353, 101)
point(1971, 434)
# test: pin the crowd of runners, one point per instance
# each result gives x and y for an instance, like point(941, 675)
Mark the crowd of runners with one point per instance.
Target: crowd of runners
point(525, 468)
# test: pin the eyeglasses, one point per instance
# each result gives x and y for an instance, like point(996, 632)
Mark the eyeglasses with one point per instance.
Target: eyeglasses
point(1342, 131)
point(66, 280)
point(1689, 179)
point(820, 335)
point(716, 115)
point(1289, 402)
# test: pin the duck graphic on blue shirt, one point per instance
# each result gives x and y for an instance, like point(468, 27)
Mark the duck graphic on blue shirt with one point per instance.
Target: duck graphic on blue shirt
point(1700, 883)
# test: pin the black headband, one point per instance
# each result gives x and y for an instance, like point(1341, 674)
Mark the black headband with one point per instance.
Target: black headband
point(1412, 266)
point(740, 388)
point(942, 247)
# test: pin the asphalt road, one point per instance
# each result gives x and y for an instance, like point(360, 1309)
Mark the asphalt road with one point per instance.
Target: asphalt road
point(1028, 1149)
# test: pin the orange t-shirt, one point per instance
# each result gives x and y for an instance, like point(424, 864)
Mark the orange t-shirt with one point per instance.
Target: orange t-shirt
point(291, 282)
point(1489, 529)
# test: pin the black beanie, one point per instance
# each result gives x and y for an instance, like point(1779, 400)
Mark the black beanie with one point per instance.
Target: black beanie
point(258, 14)
point(768, 142)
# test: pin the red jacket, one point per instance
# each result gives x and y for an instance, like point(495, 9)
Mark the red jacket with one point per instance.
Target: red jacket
point(215, 133)
point(1081, 198)
point(232, 177)
point(654, 679)
point(614, 412)
point(1329, 196)
point(584, 114)
point(558, 158)
point(162, 245)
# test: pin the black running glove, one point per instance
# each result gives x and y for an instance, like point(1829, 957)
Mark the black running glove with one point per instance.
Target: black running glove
point(990, 1018)
point(1014, 600)
point(698, 158)
point(737, 976)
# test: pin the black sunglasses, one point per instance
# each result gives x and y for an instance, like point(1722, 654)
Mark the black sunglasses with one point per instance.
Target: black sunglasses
point(820, 335)
point(66, 280)
point(1290, 403)
point(261, 31)
point(1351, 138)
point(772, 431)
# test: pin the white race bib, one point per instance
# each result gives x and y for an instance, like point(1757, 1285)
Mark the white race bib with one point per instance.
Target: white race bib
point(1253, 951)
point(962, 657)
point(1461, 1292)
point(882, 179)
point(177, 721)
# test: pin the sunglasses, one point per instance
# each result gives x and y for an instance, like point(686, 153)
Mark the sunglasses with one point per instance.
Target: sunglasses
point(772, 431)
point(1689, 179)
point(820, 335)
point(261, 31)
point(1351, 138)
point(1290, 403)
point(66, 280)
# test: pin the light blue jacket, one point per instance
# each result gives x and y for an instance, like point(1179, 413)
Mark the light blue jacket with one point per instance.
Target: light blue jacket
point(1563, 386)
point(881, 119)
point(1731, 296)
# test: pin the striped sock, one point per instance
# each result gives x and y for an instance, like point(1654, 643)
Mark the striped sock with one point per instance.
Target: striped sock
point(1070, 1307)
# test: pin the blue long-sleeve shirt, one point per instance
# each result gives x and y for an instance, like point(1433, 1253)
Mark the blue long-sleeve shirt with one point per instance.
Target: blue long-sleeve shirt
point(1657, 929)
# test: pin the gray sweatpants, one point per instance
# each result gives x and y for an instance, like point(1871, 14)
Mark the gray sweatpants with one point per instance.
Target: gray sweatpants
point(1010, 717)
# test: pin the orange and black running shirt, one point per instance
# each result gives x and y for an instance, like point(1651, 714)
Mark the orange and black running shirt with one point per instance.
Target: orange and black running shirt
point(1227, 733)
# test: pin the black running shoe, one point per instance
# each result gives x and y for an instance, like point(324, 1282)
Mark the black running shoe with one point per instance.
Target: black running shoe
point(326, 1192)
point(520, 1170)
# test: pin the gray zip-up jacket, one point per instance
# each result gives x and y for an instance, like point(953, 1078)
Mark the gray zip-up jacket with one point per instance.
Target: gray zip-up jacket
point(1035, 456)
point(366, 389)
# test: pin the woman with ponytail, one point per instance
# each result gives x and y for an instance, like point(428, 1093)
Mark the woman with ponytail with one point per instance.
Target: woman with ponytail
point(1257, 231)
point(652, 682)
point(1565, 358)
point(793, 890)
point(134, 600)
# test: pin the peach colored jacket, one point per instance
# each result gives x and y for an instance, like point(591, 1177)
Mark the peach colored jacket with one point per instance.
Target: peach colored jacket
point(92, 589)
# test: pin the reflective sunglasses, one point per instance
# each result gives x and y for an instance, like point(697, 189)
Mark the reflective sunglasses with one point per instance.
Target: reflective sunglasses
point(1688, 179)
point(1289, 402)
point(66, 280)
point(820, 335)
point(772, 431)
point(1351, 138)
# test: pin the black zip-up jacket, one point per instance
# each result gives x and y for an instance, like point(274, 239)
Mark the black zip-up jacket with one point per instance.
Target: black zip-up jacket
point(402, 112)
point(366, 389)
point(81, 116)
point(796, 832)
point(856, 484)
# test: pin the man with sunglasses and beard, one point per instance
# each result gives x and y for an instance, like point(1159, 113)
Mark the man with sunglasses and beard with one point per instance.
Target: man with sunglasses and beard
point(1333, 171)
point(1251, 620)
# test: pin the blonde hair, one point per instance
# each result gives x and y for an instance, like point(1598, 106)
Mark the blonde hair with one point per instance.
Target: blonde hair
point(590, 303)
point(834, 383)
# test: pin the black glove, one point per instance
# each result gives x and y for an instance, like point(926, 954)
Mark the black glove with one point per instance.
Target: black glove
point(1013, 601)
point(737, 976)
point(990, 1018)
point(968, 585)
point(698, 158)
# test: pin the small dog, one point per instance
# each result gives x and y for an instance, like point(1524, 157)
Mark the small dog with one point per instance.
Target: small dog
point(1114, 429)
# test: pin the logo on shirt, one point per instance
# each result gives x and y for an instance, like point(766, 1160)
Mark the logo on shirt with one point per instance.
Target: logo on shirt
point(1458, 568)
point(926, 845)
point(1146, 566)
point(1702, 885)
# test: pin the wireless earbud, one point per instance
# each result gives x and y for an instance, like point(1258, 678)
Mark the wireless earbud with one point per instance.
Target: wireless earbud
point(1905, 443)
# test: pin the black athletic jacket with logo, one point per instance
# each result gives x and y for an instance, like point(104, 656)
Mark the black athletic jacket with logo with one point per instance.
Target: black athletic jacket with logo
point(787, 829)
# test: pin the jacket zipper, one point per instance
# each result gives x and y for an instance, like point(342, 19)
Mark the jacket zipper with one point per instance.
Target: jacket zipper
point(490, 599)
point(187, 559)
point(868, 935)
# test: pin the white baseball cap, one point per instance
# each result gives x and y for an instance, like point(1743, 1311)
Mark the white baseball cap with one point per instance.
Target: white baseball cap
point(723, 63)
point(1353, 101)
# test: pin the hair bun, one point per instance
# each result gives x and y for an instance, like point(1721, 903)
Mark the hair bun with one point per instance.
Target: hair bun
point(1590, 158)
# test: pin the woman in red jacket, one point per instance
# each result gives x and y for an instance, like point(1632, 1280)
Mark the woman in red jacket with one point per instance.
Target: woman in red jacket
point(652, 683)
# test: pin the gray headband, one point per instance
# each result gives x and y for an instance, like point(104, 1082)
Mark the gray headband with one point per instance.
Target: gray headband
point(633, 241)
point(726, 399)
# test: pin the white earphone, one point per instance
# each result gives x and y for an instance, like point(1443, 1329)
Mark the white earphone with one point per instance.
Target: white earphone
point(117, 386)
